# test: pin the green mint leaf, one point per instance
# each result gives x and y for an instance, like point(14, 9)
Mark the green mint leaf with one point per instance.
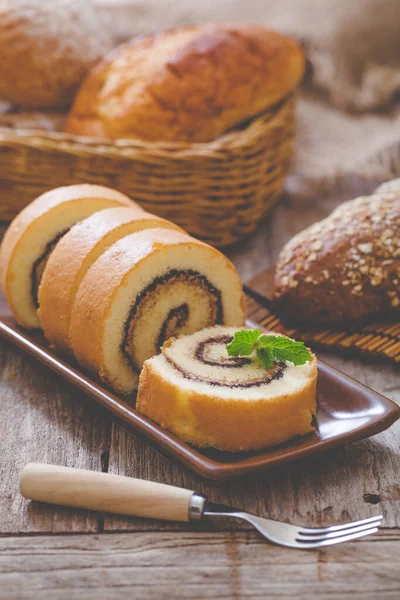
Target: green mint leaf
point(285, 349)
point(276, 341)
point(243, 342)
point(265, 355)
point(268, 348)
point(296, 354)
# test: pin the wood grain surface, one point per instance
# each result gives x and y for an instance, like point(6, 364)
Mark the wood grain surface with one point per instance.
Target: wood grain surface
point(193, 565)
point(44, 419)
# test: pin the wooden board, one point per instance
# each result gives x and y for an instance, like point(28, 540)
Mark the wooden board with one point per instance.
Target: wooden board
point(220, 565)
point(43, 419)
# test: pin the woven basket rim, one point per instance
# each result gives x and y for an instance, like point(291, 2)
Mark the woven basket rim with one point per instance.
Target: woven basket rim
point(257, 127)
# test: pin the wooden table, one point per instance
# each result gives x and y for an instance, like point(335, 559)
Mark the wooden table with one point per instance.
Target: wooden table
point(51, 553)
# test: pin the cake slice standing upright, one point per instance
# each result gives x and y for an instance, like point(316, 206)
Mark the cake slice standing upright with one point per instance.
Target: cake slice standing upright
point(34, 233)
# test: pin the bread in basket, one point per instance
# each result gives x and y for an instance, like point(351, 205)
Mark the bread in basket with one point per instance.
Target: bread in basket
point(197, 126)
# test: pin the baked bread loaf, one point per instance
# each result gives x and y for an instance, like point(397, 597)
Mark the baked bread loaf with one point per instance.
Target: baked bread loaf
point(72, 257)
point(207, 398)
point(145, 288)
point(188, 84)
point(344, 268)
point(46, 49)
point(33, 234)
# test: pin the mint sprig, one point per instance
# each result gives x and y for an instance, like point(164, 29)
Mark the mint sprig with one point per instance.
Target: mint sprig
point(243, 342)
point(268, 348)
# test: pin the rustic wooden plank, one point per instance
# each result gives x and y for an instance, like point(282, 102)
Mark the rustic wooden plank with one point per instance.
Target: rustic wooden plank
point(43, 419)
point(193, 565)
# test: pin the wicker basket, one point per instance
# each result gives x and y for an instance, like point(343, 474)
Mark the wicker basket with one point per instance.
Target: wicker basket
point(217, 191)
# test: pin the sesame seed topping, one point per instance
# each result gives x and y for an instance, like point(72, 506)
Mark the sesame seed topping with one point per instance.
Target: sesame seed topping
point(375, 281)
point(317, 245)
point(365, 248)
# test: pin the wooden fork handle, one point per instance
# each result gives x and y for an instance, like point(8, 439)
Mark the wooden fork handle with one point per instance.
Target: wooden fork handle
point(104, 492)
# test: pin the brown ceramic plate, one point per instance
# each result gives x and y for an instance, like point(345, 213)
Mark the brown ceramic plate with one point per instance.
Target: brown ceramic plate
point(347, 411)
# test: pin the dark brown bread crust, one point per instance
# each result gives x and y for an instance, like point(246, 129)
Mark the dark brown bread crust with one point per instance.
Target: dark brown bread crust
point(344, 268)
point(187, 84)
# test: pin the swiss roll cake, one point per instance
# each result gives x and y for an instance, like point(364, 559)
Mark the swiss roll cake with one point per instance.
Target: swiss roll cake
point(208, 398)
point(72, 257)
point(34, 233)
point(145, 288)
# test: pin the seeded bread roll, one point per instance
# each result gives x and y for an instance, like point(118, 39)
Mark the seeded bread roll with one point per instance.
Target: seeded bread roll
point(32, 236)
point(344, 268)
point(145, 288)
point(188, 84)
point(72, 257)
point(207, 398)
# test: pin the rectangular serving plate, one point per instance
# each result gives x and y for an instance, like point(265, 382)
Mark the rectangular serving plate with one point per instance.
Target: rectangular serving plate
point(347, 411)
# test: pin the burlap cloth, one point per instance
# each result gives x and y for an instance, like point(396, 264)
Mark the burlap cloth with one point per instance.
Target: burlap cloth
point(348, 115)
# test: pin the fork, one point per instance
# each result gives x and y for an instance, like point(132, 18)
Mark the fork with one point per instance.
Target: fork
point(128, 496)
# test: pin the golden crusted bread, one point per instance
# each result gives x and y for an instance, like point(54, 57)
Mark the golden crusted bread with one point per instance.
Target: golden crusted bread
point(33, 234)
point(346, 267)
point(189, 84)
point(194, 389)
point(46, 49)
point(72, 257)
point(144, 288)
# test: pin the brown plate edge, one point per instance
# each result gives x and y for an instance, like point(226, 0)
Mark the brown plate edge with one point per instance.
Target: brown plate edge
point(165, 442)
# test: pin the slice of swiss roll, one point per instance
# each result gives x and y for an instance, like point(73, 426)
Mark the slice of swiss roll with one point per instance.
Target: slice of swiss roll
point(145, 288)
point(208, 398)
point(33, 234)
point(72, 257)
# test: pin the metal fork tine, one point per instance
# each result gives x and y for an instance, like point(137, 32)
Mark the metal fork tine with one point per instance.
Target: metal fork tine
point(334, 534)
point(315, 530)
point(338, 540)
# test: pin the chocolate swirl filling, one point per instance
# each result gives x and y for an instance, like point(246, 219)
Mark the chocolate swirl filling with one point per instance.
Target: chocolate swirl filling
point(203, 355)
point(177, 316)
point(231, 362)
point(39, 266)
